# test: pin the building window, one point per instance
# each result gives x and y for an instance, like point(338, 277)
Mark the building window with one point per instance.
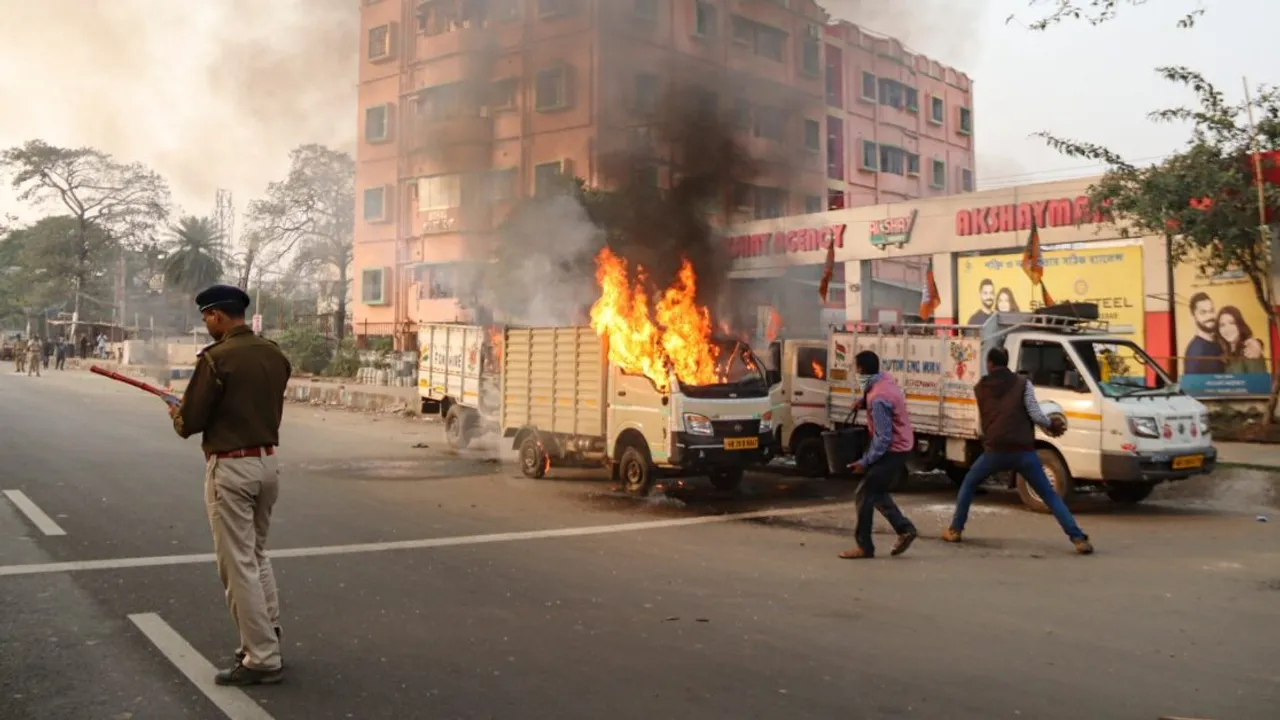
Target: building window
point(835, 77)
point(770, 203)
point(372, 289)
point(765, 40)
point(552, 90)
point(646, 10)
point(376, 128)
point(893, 160)
point(938, 180)
point(868, 86)
point(811, 56)
point(835, 148)
point(812, 135)
point(966, 121)
point(743, 196)
point(375, 201)
point(769, 123)
point(966, 180)
point(870, 156)
point(546, 177)
point(552, 8)
point(440, 192)
point(835, 199)
point(380, 42)
point(441, 102)
point(503, 94)
point(814, 204)
point(898, 95)
point(913, 164)
point(437, 282)
point(705, 19)
point(937, 110)
point(647, 91)
point(913, 100)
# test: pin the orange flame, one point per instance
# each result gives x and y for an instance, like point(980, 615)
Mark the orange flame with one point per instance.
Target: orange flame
point(675, 337)
point(817, 370)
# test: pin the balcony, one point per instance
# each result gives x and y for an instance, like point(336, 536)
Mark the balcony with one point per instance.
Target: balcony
point(471, 219)
point(461, 144)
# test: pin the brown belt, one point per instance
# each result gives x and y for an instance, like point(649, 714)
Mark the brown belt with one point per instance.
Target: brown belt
point(245, 453)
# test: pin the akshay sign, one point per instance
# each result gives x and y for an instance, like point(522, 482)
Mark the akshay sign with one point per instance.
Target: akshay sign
point(893, 231)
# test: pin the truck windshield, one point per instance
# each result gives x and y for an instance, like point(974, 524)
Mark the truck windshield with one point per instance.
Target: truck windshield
point(1122, 369)
point(742, 373)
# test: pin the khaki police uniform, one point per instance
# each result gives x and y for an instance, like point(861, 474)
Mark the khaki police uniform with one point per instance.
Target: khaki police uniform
point(235, 400)
point(33, 356)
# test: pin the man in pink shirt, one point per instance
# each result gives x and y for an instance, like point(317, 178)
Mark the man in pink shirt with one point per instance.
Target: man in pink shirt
point(892, 440)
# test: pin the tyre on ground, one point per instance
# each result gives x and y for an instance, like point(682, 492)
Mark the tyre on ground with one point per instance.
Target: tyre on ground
point(459, 426)
point(635, 471)
point(1129, 493)
point(811, 457)
point(533, 458)
point(1059, 477)
point(727, 479)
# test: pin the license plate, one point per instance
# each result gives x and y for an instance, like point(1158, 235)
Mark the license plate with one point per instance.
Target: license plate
point(747, 443)
point(1186, 462)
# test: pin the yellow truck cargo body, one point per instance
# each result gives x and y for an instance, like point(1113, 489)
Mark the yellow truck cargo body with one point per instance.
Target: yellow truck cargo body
point(554, 379)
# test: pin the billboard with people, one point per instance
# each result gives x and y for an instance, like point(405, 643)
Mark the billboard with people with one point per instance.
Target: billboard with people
point(1109, 277)
point(1223, 339)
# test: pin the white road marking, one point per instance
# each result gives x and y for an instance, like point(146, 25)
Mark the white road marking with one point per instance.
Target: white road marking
point(233, 702)
point(166, 560)
point(37, 516)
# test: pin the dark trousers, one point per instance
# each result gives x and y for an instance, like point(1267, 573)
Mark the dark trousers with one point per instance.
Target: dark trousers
point(872, 494)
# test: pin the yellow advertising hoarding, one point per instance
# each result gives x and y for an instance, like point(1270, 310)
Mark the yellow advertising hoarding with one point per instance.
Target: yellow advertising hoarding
point(1222, 333)
point(1109, 277)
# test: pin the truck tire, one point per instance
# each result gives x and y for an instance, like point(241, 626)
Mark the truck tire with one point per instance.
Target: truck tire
point(635, 472)
point(1129, 493)
point(811, 457)
point(533, 458)
point(459, 425)
point(1059, 477)
point(727, 479)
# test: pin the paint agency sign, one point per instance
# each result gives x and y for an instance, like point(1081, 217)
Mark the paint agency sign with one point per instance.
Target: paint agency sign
point(893, 232)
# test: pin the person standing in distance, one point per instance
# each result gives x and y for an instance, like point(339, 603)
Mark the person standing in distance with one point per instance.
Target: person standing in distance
point(1010, 414)
point(235, 400)
point(892, 440)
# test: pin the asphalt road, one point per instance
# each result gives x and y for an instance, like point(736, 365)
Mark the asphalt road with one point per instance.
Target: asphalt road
point(509, 598)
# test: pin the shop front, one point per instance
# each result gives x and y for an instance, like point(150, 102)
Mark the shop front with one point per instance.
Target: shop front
point(1210, 330)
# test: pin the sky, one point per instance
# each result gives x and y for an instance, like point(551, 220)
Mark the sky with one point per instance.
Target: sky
point(214, 93)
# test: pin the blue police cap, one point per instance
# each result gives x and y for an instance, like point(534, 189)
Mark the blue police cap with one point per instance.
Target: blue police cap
point(223, 297)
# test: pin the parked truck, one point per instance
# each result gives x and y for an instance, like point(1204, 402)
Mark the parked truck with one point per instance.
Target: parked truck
point(458, 378)
point(1130, 427)
point(565, 403)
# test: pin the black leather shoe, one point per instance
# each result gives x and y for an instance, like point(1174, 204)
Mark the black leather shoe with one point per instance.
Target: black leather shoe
point(241, 676)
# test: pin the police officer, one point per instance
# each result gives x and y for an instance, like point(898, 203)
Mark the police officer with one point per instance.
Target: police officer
point(234, 400)
point(33, 355)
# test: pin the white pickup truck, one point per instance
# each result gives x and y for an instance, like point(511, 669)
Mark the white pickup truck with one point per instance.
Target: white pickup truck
point(1130, 427)
point(565, 404)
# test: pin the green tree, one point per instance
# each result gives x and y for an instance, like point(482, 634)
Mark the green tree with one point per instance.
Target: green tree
point(196, 255)
point(107, 199)
point(308, 219)
point(43, 260)
point(1205, 199)
point(1095, 12)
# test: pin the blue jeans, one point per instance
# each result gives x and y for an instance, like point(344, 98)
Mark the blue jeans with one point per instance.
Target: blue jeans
point(1028, 465)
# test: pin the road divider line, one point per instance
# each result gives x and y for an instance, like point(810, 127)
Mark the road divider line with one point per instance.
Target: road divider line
point(37, 516)
point(232, 701)
point(426, 543)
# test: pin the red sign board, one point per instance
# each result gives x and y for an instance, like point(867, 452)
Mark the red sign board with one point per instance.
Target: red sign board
point(1062, 212)
point(786, 242)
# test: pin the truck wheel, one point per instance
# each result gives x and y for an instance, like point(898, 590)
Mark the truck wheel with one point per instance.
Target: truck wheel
point(811, 457)
point(727, 479)
point(635, 471)
point(457, 427)
point(533, 458)
point(1129, 493)
point(1059, 477)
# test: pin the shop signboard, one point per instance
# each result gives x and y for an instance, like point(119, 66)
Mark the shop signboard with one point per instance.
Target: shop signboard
point(1109, 277)
point(893, 231)
point(1222, 331)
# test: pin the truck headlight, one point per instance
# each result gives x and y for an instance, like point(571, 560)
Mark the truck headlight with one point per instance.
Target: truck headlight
point(698, 424)
point(766, 422)
point(1144, 427)
point(1204, 424)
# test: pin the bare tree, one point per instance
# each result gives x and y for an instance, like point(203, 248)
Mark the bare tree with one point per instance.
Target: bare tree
point(308, 220)
point(1096, 12)
point(121, 200)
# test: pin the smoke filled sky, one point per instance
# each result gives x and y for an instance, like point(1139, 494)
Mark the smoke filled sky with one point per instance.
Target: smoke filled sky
point(214, 93)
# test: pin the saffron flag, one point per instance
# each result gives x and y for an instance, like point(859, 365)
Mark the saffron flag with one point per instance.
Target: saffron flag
point(929, 299)
point(828, 269)
point(1032, 261)
point(1045, 297)
point(774, 327)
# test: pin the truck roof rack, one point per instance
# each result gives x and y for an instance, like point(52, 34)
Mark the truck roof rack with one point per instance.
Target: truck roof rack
point(1050, 322)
